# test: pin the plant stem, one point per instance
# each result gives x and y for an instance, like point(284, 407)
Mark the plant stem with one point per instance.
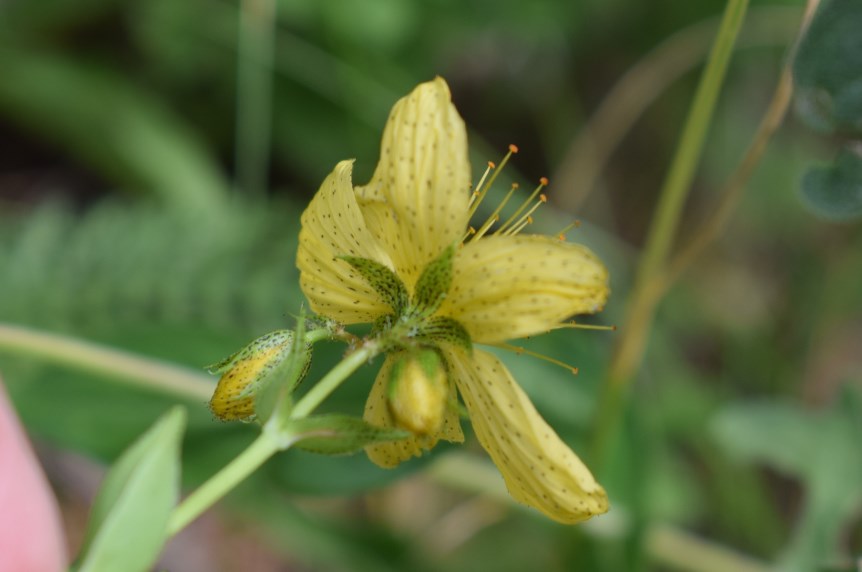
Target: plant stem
point(731, 192)
point(254, 94)
point(274, 437)
point(332, 380)
point(645, 296)
point(261, 449)
point(122, 366)
point(589, 152)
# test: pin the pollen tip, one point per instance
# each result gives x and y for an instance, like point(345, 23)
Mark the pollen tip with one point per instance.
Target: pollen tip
point(543, 197)
point(561, 237)
point(544, 181)
point(492, 165)
point(513, 148)
point(515, 185)
point(529, 220)
point(613, 327)
point(577, 224)
point(575, 371)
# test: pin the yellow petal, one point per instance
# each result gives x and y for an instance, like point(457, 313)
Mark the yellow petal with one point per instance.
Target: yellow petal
point(506, 287)
point(390, 454)
point(333, 226)
point(540, 470)
point(416, 202)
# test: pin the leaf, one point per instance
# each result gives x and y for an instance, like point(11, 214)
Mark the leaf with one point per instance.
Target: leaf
point(821, 449)
point(113, 125)
point(835, 191)
point(777, 434)
point(334, 434)
point(828, 68)
point(128, 520)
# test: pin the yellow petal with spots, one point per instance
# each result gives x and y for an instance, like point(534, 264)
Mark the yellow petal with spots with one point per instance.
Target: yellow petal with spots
point(333, 226)
point(390, 454)
point(416, 202)
point(506, 287)
point(540, 470)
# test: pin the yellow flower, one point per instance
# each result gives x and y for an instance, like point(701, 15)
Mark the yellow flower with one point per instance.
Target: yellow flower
point(393, 252)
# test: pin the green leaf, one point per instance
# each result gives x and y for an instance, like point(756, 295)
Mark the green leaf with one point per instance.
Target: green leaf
point(821, 449)
point(828, 68)
point(382, 279)
point(334, 434)
point(835, 192)
point(116, 127)
point(127, 524)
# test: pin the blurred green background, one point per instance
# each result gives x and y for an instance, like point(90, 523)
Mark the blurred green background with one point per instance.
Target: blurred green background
point(151, 182)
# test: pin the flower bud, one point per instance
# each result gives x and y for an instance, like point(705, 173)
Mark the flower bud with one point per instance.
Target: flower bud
point(244, 372)
point(418, 391)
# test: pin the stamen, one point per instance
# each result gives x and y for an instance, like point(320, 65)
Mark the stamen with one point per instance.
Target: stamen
point(484, 228)
point(576, 326)
point(470, 230)
point(478, 189)
point(562, 234)
point(483, 190)
point(543, 182)
point(526, 218)
point(495, 216)
point(519, 227)
point(519, 350)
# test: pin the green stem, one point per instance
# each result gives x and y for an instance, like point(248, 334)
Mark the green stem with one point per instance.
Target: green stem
point(254, 93)
point(264, 447)
point(105, 361)
point(272, 439)
point(332, 380)
point(645, 296)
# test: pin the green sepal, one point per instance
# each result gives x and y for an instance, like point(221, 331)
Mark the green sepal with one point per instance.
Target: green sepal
point(442, 329)
point(128, 521)
point(265, 342)
point(272, 359)
point(280, 382)
point(334, 434)
point(382, 279)
point(434, 283)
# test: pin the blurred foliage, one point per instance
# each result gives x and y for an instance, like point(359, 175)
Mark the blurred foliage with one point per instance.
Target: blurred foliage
point(828, 75)
point(119, 224)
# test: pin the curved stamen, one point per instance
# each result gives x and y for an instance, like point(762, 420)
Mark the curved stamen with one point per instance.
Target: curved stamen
point(519, 350)
point(562, 234)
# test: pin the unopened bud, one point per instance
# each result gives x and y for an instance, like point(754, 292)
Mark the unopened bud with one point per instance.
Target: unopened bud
point(418, 392)
point(243, 373)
